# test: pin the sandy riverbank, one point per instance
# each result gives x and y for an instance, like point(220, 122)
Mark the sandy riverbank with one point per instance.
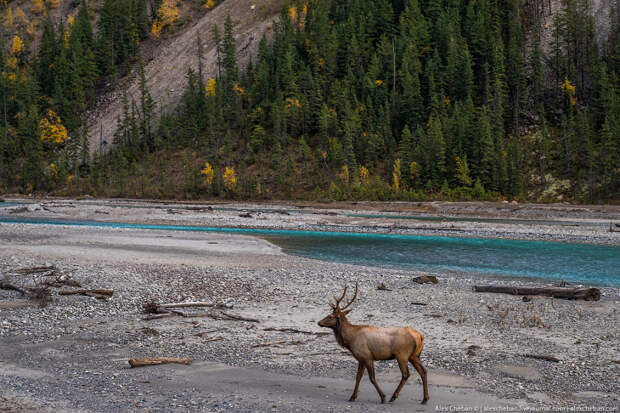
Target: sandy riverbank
point(72, 355)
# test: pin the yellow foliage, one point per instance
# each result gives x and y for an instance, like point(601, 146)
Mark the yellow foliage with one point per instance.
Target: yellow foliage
point(156, 28)
point(292, 12)
point(17, 45)
point(324, 155)
point(52, 130)
point(12, 62)
point(208, 173)
point(396, 175)
point(37, 6)
point(209, 4)
point(210, 87)
point(12, 77)
point(302, 16)
point(378, 82)
point(364, 175)
point(344, 174)
point(167, 15)
point(413, 169)
point(292, 102)
point(53, 4)
point(69, 180)
point(238, 89)
point(20, 15)
point(569, 89)
point(31, 30)
point(65, 36)
point(70, 20)
point(54, 171)
point(8, 19)
point(230, 179)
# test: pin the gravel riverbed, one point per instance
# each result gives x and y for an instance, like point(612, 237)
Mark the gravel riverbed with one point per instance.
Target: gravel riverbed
point(71, 355)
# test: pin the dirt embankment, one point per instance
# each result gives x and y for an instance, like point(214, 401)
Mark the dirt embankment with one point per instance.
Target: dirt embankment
point(168, 61)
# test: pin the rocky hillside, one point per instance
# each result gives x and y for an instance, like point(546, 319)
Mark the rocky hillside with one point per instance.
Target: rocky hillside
point(167, 60)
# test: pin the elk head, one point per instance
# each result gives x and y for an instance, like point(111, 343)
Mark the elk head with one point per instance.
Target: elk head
point(333, 320)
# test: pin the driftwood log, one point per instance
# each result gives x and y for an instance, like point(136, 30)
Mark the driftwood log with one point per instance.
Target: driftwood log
point(188, 304)
point(294, 330)
point(96, 293)
point(424, 279)
point(542, 357)
point(587, 294)
point(155, 361)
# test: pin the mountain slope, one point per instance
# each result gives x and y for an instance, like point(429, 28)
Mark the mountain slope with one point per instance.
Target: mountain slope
point(170, 60)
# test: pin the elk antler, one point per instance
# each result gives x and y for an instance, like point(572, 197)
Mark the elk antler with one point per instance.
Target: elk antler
point(338, 300)
point(351, 301)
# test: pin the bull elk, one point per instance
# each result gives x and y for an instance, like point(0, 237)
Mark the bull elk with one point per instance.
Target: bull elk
point(370, 343)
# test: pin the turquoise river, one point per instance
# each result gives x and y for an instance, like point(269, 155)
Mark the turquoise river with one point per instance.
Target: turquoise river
point(574, 263)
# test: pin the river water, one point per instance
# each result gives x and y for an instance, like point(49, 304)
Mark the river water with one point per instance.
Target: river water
point(575, 263)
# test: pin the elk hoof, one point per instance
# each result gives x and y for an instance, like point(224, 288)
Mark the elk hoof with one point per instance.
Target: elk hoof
point(352, 399)
point(392, 399)
point(424, 401)
point(382, 399)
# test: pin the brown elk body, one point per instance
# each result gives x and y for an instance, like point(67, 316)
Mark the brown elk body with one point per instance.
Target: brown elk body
point(370, 343)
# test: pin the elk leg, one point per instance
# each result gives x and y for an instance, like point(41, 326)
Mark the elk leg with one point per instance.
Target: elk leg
point(415, 360)
point(360, 372)
point(370, 365)
point(404, 370)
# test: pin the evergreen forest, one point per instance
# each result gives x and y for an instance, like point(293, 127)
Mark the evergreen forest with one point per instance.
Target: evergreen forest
point(344, 100)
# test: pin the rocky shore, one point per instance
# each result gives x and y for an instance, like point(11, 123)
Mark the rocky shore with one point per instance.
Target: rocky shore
point(72, 353)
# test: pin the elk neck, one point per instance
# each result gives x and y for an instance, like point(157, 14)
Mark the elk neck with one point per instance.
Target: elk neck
point(344, 332)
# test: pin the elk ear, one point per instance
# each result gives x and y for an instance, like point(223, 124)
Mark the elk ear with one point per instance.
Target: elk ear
point(345, 312)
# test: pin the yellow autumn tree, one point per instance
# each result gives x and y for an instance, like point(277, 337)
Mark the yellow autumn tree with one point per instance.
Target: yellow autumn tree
point(167, 15)
point(569, 89)
point(52, 4)
point(209, 4)
point(344, 174)
point(364, 176)
point(230, 179)
point(396, 175)
point(413, 170)
point(12, 64)
point(210, 87)
point(52, 129)
point(20, 15)
point(31, 29)
point(37, 6)
point(17, 45)
point(8, 18)
point(208, 173)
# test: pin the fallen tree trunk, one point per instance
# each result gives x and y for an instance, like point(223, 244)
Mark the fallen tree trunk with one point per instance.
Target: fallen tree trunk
point(33, 270)
point(587, 294)
point(191, 304)
point(5, 285)
point(294, 330)
point(542, 357)
point(108, 293)
point(155, 361)
point(158, 316)
point(96, 293)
